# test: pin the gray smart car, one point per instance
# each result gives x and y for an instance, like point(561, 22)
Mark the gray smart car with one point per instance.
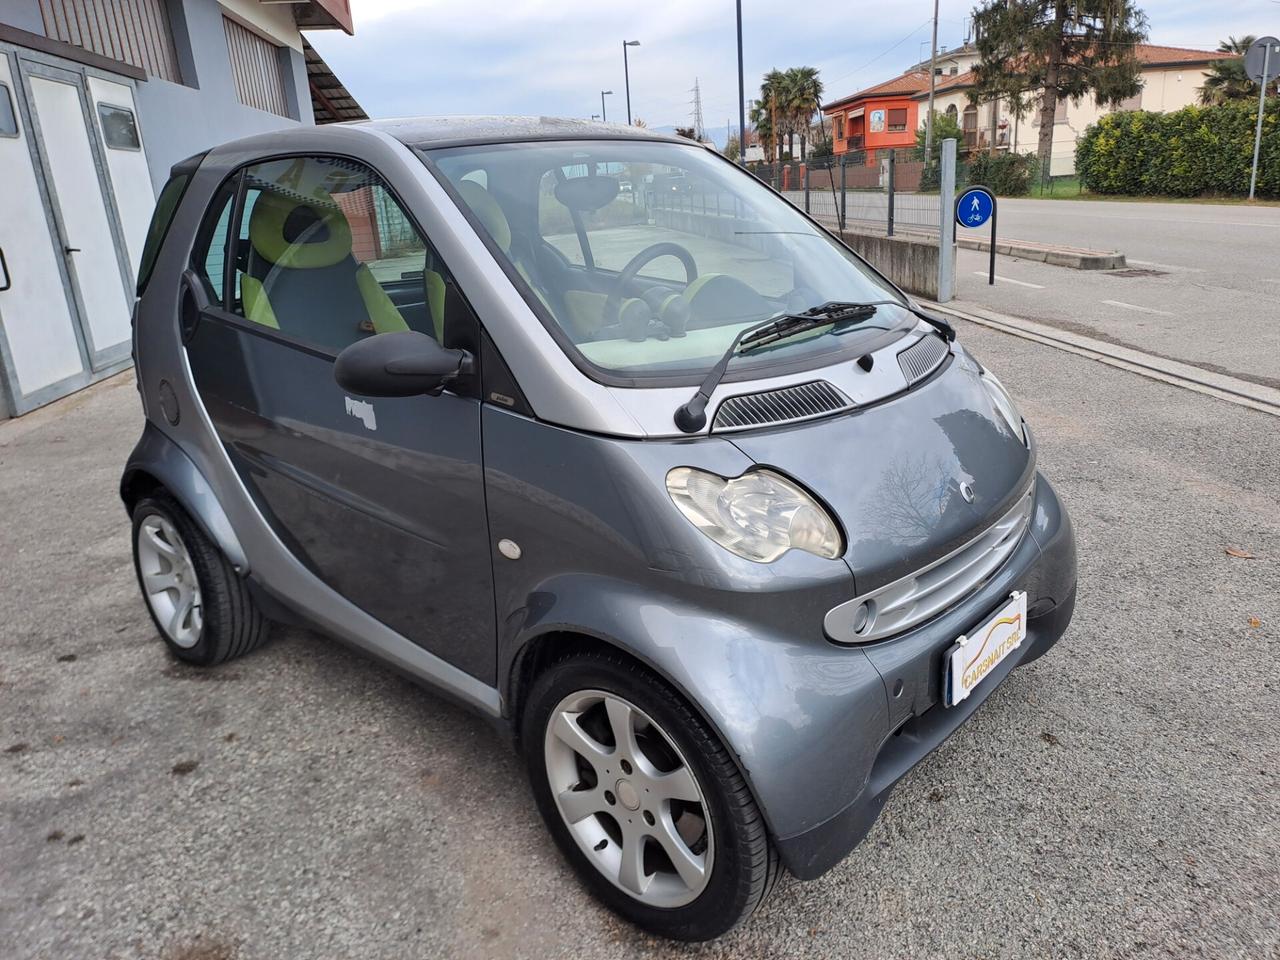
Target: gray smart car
point(712, 519)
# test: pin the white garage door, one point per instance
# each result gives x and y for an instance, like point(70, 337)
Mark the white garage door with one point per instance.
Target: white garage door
point(79, 197)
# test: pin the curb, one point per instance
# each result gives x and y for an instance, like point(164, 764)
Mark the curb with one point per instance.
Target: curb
point(1242, 393)
point(1072, 257)
point(1076, 258)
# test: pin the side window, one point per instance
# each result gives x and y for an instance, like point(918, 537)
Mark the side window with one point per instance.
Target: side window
point(209, 256)
point(326, 255)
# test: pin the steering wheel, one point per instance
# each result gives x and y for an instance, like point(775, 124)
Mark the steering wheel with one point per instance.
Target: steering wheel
point(613, 304)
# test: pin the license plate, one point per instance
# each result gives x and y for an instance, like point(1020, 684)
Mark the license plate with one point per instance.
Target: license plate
point(976, 654)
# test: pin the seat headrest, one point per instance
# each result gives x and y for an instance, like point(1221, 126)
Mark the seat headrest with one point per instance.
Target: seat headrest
point(299, 234)
point(487, 210)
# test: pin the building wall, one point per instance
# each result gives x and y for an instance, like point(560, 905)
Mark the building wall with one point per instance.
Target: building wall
point(884, 139)
point(1164, 89)
point(179, 119)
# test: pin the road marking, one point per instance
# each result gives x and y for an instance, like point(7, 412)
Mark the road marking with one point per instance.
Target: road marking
point(1164, 266)
point(1021, 283)
point(1134, 306)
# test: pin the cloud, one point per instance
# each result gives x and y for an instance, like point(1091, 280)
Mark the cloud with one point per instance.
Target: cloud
point(426, 57)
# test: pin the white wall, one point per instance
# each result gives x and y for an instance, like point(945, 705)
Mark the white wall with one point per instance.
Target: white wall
point(1164, 89)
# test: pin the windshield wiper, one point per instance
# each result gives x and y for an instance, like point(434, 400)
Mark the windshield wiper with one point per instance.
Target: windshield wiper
point(691, 416)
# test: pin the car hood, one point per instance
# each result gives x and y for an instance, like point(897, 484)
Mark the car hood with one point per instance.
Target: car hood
point(892, 473)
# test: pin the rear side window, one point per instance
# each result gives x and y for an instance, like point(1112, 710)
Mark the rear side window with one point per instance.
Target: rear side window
point(166, 207)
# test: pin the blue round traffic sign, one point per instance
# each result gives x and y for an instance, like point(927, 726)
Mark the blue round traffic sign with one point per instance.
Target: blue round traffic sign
point(975, 206)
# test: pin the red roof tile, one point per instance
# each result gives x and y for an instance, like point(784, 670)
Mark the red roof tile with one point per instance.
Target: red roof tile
point(904, 85)
point(917, 82)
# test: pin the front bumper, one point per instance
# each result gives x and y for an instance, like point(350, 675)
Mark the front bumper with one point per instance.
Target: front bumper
point(1044, 565)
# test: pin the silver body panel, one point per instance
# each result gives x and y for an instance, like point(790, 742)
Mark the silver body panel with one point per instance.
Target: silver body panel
point(602, 553)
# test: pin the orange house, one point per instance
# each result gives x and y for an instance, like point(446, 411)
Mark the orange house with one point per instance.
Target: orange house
point(878, 118)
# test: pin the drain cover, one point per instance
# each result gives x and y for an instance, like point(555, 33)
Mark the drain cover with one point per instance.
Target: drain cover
point(1137, 272)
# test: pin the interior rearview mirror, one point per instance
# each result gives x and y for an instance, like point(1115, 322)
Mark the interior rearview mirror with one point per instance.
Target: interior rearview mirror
point(406, 364)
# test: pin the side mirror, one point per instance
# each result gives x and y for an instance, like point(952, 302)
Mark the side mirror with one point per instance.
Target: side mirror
point(406, 364)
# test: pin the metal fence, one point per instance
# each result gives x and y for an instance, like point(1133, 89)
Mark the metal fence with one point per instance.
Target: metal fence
point(883, 191)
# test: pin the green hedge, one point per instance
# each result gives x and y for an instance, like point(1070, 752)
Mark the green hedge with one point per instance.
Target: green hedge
point(1192, 152)
point(1005, 174)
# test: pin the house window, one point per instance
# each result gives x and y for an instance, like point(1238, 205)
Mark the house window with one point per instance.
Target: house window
point(840, 127)
point(952, 113)
point(1134, 102)
point(1060, 111)
point(255, 67)
point(136, 32)
point(119, 128)
point(898, 120)
point(970, 127)
point(8, 119)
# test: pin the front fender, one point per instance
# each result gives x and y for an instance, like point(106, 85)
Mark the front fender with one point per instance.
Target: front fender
point(803, 719)
point(157, 457)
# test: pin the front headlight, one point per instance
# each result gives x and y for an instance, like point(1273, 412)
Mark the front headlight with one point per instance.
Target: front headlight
point(759, 515)
point(1004, 404)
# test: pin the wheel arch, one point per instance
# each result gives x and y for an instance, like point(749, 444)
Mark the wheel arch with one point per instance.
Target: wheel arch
point(157, 463)
point(541, 650)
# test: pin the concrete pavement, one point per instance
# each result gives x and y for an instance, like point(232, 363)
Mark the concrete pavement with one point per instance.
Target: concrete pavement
point(1116, 798)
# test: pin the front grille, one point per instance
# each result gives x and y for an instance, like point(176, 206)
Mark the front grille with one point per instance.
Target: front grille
point(804, 401)
point(915, 598)
point(922, 357)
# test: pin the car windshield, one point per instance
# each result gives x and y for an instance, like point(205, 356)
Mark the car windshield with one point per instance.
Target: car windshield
point(647, 257)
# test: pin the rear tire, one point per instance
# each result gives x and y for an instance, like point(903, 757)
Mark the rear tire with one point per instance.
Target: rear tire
point(202, 609)
point(616, 757)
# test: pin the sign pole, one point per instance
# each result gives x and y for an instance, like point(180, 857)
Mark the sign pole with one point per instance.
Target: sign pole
point(1257, 133)
point(991, 270)
point(973, 209)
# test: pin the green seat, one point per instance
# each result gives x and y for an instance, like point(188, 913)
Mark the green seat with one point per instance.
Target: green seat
point(302, 279)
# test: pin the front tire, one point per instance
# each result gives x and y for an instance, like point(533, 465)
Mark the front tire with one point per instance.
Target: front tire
point(644, 800)
point(202, 609)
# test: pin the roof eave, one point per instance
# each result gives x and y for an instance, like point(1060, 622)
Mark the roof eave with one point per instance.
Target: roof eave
point(324, 15)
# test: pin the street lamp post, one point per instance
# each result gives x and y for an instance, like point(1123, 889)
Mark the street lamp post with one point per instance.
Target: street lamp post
point(742, 99)
point(626, 74)
point(604, 114)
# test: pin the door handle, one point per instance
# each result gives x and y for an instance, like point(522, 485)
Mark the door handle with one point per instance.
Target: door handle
point(4, 268)
point(70, 250)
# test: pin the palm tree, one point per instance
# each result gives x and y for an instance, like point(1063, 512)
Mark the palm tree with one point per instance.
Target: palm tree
point(1227, 80)
point(788, 100)
point(768, 114)
point(804, 96)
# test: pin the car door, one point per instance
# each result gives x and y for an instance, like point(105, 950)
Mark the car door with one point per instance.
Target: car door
point(381, 498)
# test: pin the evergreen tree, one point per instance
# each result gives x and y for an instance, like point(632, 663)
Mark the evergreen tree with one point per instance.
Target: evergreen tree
point(1048, 50)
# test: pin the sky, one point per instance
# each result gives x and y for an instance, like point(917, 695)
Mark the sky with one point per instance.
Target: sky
point(554, 57)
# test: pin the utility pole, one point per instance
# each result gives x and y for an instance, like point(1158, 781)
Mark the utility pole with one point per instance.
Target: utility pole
point(604, 114)
point(742, 99)
point(933, 74)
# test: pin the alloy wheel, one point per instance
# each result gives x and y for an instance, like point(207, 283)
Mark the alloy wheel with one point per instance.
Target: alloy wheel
point(169, 581)
point(632, 803)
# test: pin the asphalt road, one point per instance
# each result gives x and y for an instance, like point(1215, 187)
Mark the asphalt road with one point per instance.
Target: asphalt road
point(1201, 283)
point(1116, 798)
